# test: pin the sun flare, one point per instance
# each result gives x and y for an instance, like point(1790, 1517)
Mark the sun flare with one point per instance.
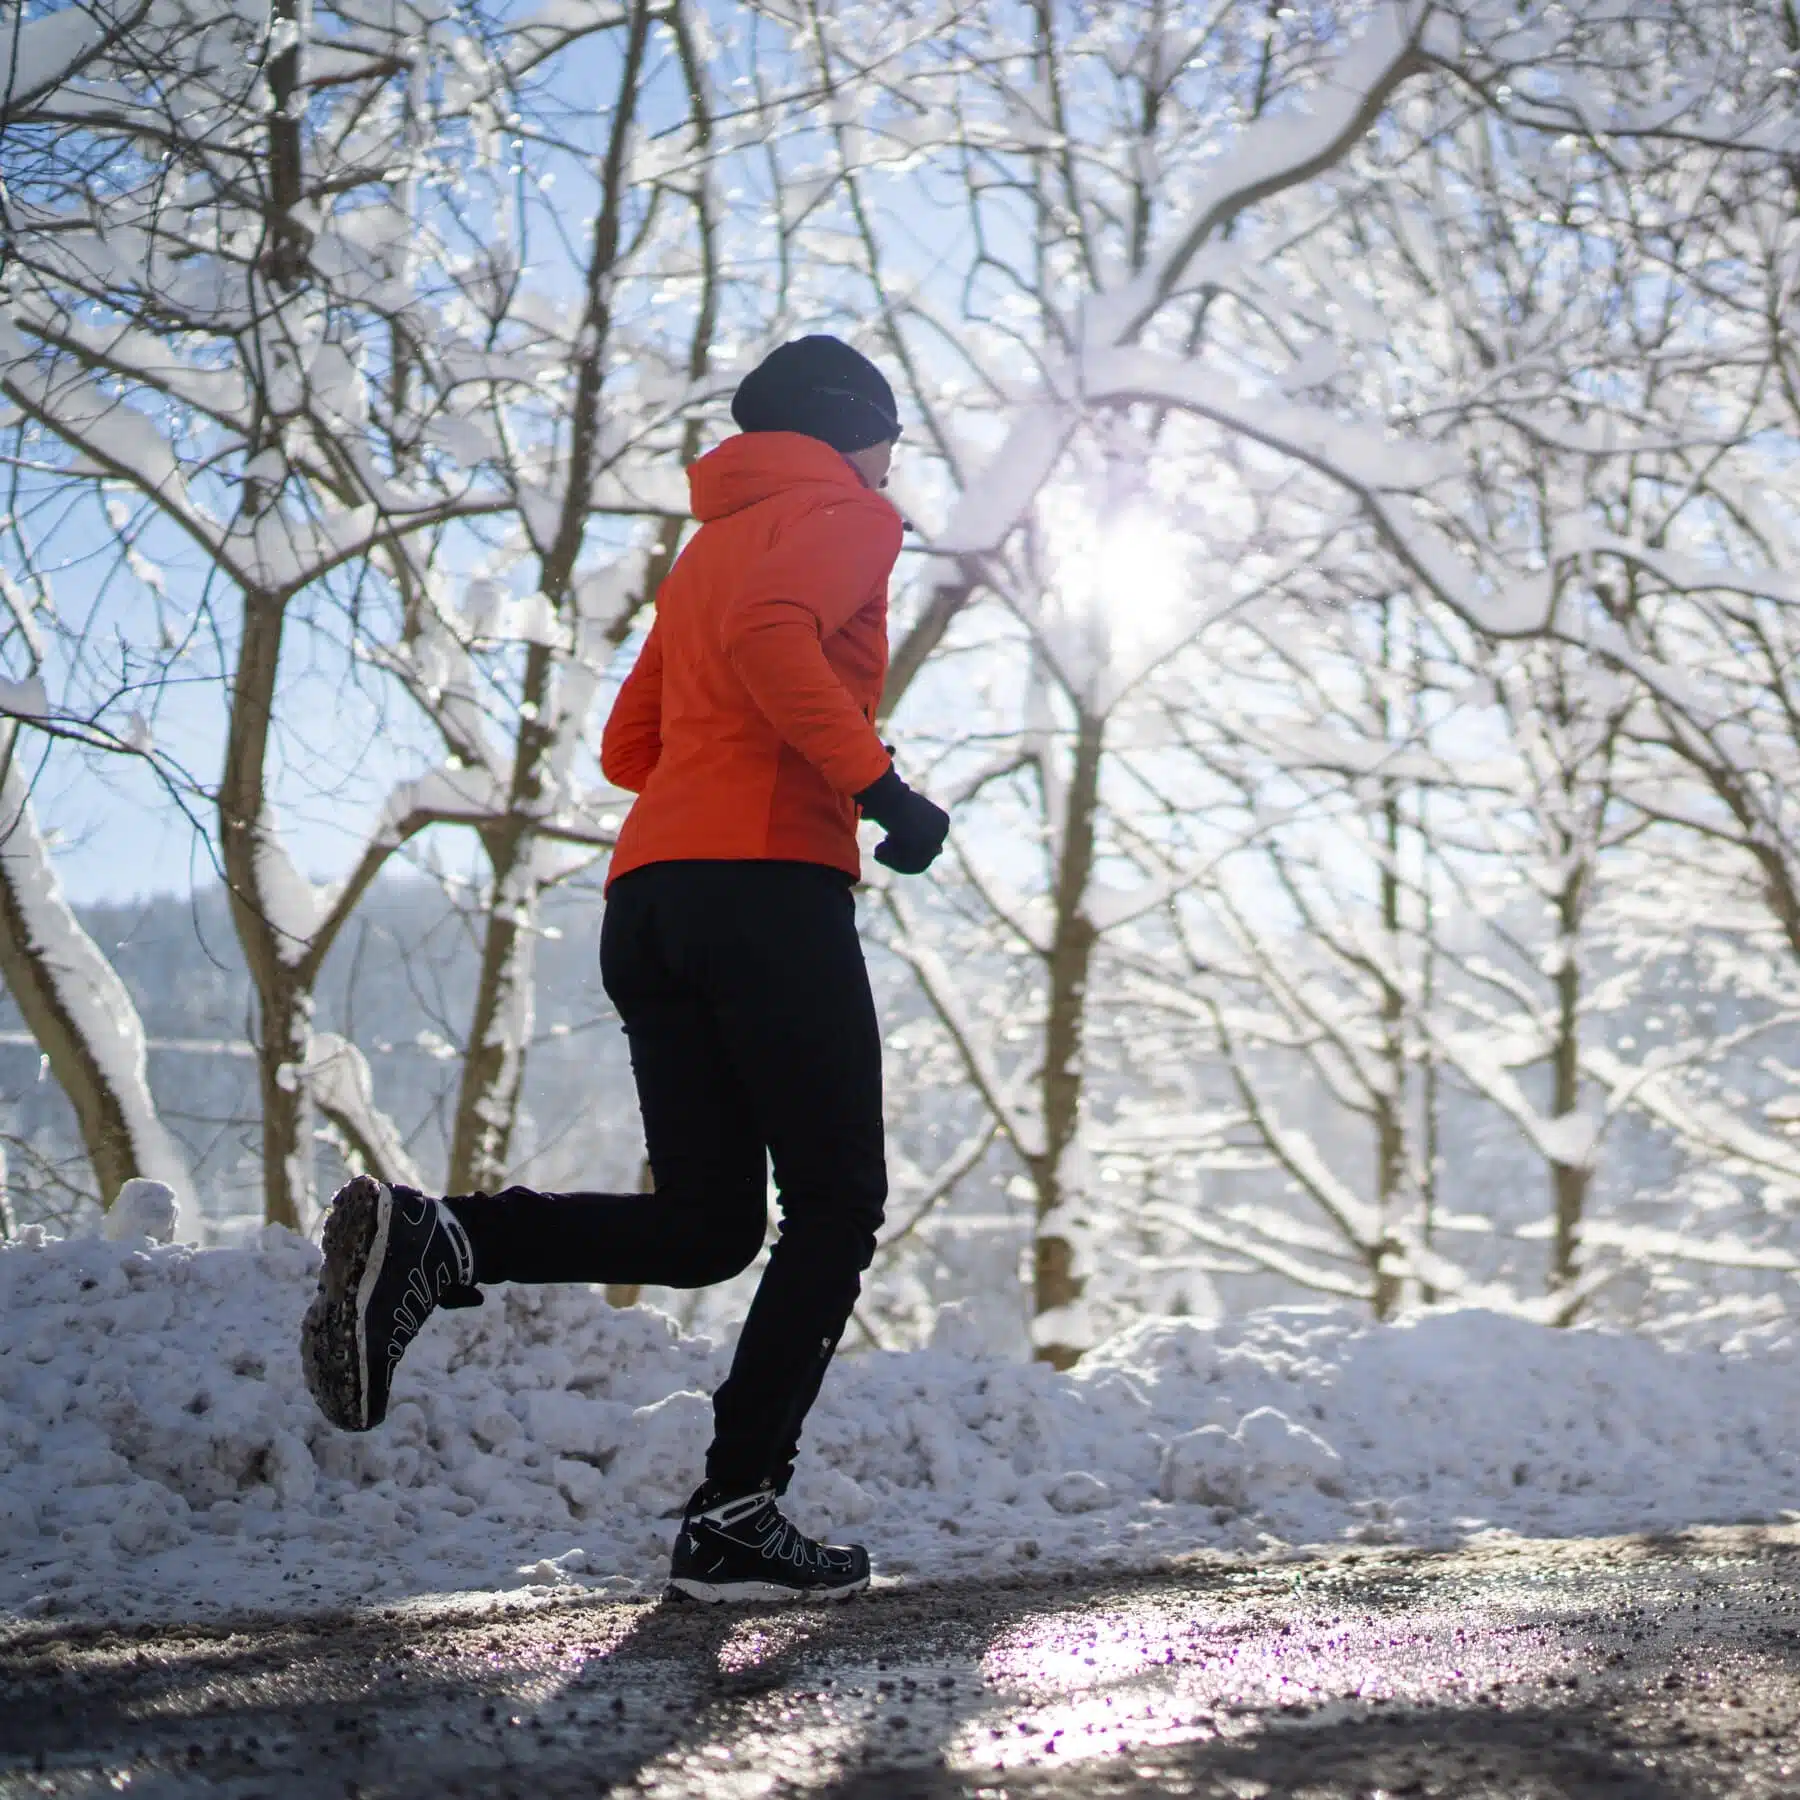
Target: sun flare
point(1129, 575)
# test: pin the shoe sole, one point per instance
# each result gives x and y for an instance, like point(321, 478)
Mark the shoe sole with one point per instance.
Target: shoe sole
point(334, 1339)
point(738, 1593)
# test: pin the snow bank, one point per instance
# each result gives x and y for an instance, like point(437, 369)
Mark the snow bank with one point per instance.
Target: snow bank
point(144, 1209)
point(159, 1456)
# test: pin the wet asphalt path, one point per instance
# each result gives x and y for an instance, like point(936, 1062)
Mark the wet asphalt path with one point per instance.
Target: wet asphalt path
point(1644, 1669)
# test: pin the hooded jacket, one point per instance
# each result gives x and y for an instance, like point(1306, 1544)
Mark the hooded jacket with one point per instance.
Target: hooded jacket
point(746, 724)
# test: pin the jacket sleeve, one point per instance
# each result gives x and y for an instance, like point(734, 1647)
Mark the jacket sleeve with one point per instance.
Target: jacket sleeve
point(807, 586)
point(632, 741)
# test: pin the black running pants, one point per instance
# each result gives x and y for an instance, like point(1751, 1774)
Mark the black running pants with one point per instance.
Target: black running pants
point(746, 1003)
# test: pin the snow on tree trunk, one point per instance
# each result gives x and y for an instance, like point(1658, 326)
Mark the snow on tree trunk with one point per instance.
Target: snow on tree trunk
point(74, 1003)
point(1057, 1278)
point(494, 1060)
point(283, 1048)
point(1390, 1094)
point(273, 909)
point(1569, 1176)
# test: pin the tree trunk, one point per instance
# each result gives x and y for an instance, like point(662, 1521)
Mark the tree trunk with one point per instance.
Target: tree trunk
point(1568, 1181)
point(283, 1048)
point(289, 243)
point(1390, 1102)
point(493, 1070)
point(1057, 1280)
point(75, 1005)
point(273, 955)
point(261, 884)
point(1431, 1127)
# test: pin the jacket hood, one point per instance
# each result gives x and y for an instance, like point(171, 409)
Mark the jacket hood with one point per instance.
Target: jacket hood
point(760, 464)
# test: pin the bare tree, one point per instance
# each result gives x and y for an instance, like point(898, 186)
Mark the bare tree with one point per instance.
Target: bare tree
point(1059, 150)
point(211, 379)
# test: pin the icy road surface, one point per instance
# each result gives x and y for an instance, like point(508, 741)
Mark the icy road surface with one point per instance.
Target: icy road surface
point(1654, 1669)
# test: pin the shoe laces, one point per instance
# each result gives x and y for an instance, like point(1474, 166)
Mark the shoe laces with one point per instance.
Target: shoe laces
point(431, 1281)
point(773, 1534)
point(779, 1536)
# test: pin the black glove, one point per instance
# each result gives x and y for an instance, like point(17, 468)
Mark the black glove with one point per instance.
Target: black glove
point(915, 828)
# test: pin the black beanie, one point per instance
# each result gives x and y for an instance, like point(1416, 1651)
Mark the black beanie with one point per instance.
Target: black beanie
point(823, 388)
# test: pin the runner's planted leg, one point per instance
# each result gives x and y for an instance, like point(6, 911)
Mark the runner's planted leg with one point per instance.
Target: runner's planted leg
point(791, 996)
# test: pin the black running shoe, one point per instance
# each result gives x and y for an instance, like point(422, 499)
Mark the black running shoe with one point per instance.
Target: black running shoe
point(391, 1257)
point(744, 1549)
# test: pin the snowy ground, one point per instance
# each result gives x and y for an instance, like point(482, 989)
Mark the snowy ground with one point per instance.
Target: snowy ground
point(159, 1457)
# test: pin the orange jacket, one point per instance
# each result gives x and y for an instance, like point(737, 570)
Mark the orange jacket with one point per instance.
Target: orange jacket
point(746, 723)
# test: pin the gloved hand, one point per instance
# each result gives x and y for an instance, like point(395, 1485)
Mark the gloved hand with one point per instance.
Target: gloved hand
point(915, 828)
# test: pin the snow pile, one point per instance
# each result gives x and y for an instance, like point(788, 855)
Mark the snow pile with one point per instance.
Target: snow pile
point(159, 1456)
point(144, 1209)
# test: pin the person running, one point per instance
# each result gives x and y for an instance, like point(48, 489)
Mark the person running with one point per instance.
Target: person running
point(729, 947)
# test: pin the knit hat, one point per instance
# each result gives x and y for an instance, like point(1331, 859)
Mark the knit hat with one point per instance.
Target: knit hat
point(821, 387)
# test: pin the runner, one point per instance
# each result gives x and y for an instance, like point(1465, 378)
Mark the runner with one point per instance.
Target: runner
point(729, 947)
